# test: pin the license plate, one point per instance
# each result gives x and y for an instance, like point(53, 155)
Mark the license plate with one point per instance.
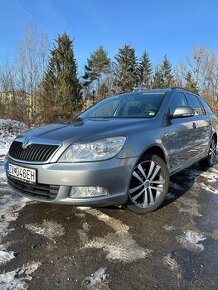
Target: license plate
point(21, 173)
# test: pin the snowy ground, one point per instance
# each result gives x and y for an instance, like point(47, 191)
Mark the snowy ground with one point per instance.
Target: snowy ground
point(9, 129)
point(62, 247)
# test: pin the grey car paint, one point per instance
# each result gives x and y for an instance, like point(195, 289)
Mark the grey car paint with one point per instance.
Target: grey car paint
point(183, 141)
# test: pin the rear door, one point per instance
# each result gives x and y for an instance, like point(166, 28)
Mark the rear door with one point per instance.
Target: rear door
point(201, 125)
point(210, 119)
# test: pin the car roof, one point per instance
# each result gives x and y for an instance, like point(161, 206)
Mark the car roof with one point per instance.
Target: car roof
point(145, 91)
point(162, 91)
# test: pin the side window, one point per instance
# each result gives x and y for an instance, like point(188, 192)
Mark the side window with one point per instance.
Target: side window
point(195, 104)
point(177, 100)
point(206, 107)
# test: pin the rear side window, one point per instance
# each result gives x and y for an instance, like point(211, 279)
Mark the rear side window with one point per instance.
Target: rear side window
point(206, 107)
point(195, 104)
point(177, 99)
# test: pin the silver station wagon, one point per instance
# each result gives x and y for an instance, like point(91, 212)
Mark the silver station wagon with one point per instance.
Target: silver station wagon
point(121, 151)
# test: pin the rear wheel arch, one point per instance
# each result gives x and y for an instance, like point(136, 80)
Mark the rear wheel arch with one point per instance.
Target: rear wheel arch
point(210, 160)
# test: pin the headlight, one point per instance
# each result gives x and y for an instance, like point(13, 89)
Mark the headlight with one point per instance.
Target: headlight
point(99, 150)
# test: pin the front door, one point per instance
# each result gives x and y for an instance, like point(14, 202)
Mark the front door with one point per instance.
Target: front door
point(179, 133)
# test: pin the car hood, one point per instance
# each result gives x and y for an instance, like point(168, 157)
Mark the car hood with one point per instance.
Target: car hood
point(89, 129)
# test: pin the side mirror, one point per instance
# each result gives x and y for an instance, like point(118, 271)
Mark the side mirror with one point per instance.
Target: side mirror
point(182, 112)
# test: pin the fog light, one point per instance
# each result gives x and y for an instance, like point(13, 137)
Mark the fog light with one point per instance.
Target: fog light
point(87, 191)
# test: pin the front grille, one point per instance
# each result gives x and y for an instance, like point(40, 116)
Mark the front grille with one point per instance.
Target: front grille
point(45, 191)
point(34, 152)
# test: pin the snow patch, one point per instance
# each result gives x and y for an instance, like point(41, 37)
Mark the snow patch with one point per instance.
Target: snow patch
point(171, 263)
point(4, 146)
point(83, 236)
point(9, 129)
point(9, 210)
point(116, 225)
point(123, 249)
point(80, 215)
point(169, 228)
point(119, 245)
point(3, 180)
point(191, 240)
point(6, 256)
point(48, 229)
point(85, 226)
point(17, 279)
point(211, 174)
point(97, 280)
point(209, 188)
point(10, 205)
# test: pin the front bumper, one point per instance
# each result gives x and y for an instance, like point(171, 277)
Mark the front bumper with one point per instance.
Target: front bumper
point(113, 175)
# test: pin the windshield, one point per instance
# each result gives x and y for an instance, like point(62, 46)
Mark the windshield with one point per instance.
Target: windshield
point(143, 105)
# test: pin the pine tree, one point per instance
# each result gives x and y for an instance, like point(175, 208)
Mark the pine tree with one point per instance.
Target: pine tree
point(190, 84)
point(167, 72)
point(61, 87)
point(163, 77)
point(158, 79)
point(145, 72)
point(97, 67)
point(126, 74)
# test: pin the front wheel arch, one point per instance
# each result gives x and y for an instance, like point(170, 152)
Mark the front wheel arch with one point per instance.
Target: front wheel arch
point(154, 150)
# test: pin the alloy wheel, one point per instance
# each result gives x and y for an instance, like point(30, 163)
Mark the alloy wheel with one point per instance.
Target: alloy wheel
point(147, 184)
point(212, 151)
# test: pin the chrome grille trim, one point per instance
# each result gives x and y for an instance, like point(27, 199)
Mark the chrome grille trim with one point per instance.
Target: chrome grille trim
point(34, 153)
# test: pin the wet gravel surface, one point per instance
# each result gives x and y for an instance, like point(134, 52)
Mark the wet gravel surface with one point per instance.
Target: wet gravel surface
point(61, 247)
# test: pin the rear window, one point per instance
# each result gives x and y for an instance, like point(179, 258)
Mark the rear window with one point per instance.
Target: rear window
point(195, 104)
point(206, 107)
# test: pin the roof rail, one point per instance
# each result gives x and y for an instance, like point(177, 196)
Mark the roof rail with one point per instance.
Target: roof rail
point(181, 88)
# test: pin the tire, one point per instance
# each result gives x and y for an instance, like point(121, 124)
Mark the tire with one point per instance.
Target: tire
point(148, 185)
point(210, 160)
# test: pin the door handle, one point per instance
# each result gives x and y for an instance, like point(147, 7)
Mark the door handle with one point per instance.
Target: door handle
point(210, 123)
point(194, 126)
